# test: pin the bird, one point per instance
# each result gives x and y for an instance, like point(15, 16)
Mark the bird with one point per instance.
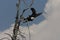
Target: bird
point(33, 15)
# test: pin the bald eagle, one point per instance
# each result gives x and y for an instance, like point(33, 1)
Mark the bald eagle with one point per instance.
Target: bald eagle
point(33, 15)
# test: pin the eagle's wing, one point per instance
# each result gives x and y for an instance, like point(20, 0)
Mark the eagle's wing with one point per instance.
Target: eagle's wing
point(38, 14)
point(33, 11)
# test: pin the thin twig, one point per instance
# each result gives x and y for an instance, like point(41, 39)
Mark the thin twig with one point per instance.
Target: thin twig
point(29, 31)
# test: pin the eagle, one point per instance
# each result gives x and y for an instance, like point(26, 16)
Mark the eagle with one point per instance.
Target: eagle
point(33, 15)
